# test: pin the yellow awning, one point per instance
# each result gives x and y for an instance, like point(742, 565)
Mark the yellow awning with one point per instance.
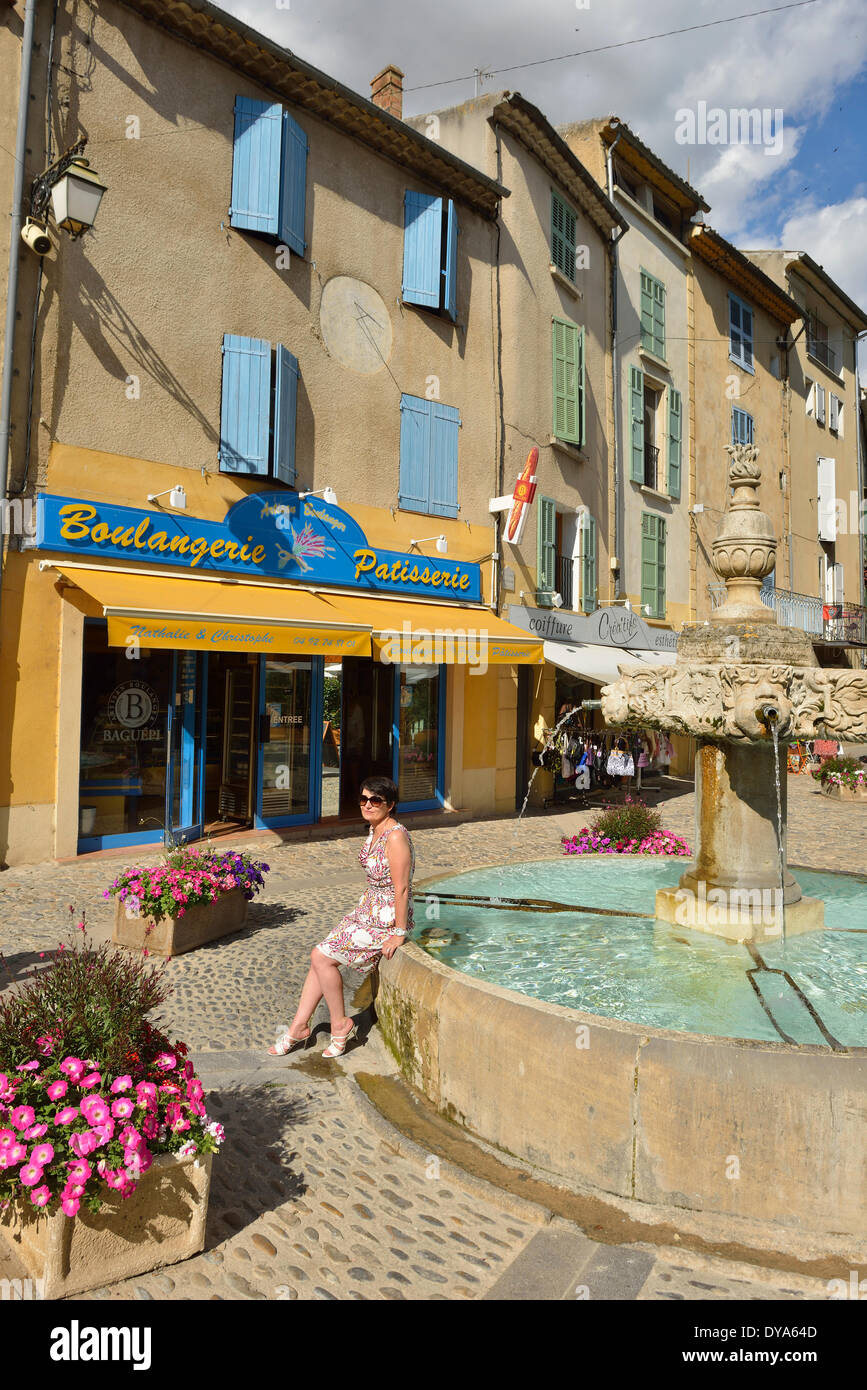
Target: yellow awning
point(225, 615)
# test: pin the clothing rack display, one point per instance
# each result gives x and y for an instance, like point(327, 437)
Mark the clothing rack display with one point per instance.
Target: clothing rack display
point(583, 759)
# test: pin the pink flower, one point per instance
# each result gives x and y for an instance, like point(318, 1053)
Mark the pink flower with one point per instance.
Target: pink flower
point(70, 1205)
point(80, 1171)
point(195, 1090)
point(42, 1154)
point(95, 1110)
point(8, 1137)
point(74, 1189)
point(122, 1083)
point(40, 1196)
point(30, 1174)
point(145, 1090)
point(196, 1107)
point(66, 1115)
point(84, 1144)
point(92, 1080)
point(7, 1088)
point(105, 1131)
point(56, 1090)
point(167, 1061)
point(35, 1131)
point(23, 1116)
point(45, 1045)
point(122, 1109)
point(10, 1158)
point(73, 1067)
point(130, 1138)
point(27, 1066)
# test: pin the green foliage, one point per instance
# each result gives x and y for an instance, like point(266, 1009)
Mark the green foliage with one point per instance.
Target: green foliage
point(848, 770)
point(634, 820)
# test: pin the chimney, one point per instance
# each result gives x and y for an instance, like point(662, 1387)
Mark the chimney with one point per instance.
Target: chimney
point(386, 90)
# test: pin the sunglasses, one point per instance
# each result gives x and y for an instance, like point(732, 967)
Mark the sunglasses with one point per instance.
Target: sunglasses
point(372, 800)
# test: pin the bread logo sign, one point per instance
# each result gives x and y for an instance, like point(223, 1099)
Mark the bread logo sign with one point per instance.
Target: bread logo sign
point(522, 497)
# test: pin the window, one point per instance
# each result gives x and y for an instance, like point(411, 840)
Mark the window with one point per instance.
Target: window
point(666, 215)
point(652, 397)
point(742, 426)
point(653, 565)
point(546, 550)
point(741, 333)
point(818, 345)
point(675, 441)
point(652, 315)
point(835, 414)
point(820, 404)
point(568, 379)
point(430, 252)
point(636, 411)
point(562, 236)
point(257, 411)
point(826, 502)
point(428, 456)
point(588, 563)
point(269, 173)
point(626, 182)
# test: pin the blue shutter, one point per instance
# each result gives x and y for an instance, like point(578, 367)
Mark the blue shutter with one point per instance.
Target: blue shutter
point(246, 405)
point(445, 422)
point(742, 426)
point(285, 404)
point(293, 190)
point(415, 435)
point(450, 297)
point(256, 166)
point(675, 438)
point(747, 328)
point(422, 249)
point(636, 402)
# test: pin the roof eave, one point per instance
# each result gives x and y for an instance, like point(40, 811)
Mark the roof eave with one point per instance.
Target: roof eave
point(727, 260)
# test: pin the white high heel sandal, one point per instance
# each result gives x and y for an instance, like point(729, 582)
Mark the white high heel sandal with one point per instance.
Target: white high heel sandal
point(337, 1046)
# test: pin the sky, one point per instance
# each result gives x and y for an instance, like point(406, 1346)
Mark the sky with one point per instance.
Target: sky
point(800, 183)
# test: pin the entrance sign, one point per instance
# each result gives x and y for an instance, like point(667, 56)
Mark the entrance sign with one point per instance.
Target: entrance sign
point(607, 627)
point(267, 534)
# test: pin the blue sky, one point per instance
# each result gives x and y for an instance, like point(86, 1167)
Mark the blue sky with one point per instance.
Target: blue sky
point(809, 61)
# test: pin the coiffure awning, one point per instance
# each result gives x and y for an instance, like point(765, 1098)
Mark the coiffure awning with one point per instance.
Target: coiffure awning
point(157, 610)
point(598, 664)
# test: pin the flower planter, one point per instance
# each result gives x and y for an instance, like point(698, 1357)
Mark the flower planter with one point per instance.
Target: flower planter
point(162, 1222)
point(845, 793)
point(171, 936)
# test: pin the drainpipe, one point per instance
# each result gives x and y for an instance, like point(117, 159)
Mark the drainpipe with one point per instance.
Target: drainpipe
point(619, 520)
point(15, 220)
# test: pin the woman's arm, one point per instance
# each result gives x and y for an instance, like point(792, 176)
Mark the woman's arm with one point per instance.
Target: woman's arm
point(399, 864)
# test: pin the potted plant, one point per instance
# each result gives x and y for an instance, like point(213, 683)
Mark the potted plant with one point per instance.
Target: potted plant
point(105, 1142)
point(844, 778)
point(189, 897)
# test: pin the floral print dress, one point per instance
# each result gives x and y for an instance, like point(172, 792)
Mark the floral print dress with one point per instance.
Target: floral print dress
point(358, 939)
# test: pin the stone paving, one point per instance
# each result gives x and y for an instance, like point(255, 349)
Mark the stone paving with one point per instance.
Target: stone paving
point(314, 1196)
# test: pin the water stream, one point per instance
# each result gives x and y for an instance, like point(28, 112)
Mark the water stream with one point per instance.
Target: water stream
point(775, 734)
point(548, 740)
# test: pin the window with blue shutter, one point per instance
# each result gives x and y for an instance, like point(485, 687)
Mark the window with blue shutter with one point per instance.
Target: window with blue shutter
point(653, 565)
point(652, 314)
point(546, 550)
point(568, 381)
point(742, 426)
point(636, 410)
point(269, 173)
point(588, 563)
point(562, 236)
point(741, 333)
point(428, 456)
point(245, 408)
point(430, 252)
point(675, 441)
point(257, 425)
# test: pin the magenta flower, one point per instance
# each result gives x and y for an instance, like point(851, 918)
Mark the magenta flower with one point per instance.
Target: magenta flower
point(145, 1090)
point(79, 1171)
point(35, 1131)
point(70, 1205)
point(122, 1109)
point(92, 1080)
point(16, 1154)
point(30, 1174)
point(8, 1137)
point(42, 1154)
point(105, 1131)
point(40, 1196)
point(95, 1110)
point(122, 1083)
point(23, 1116)
point(56, 1090)
point(130, 1138)
point(45, 1045)
point(74, 1189)
point(84, 1144)
point(66, 1115)
point(167, 1061)
point(73, 1067)
point(27, 1066)
point(195, 1090)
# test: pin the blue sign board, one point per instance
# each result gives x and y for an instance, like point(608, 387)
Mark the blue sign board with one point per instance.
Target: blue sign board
point(270, 534)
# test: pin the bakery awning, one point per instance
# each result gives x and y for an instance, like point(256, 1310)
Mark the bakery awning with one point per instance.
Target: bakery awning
point(209, 614)
point(599, 664)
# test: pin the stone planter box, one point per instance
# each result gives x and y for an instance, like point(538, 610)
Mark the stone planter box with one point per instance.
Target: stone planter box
point(162, 1222)
point(846, 793)
point(171, 936)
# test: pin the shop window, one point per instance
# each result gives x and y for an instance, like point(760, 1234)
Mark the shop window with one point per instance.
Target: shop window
point(419, 729)
point(286, 749)
point(124, 724)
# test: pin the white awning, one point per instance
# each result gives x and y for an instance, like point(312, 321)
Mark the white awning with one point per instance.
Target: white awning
point(594, 662)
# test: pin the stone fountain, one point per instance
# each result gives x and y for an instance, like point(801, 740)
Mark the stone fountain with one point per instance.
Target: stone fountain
point(741, 686)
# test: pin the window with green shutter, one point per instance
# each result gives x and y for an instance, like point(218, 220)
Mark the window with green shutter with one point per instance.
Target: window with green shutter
point(546, 550)
point(568, 381)
point(652, 565)
point(636, 411)
point(588, 563)
point(562, 236)
point(652, 314)
point(675, 441)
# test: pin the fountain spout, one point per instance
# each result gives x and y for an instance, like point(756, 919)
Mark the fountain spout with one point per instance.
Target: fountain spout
point(768, 714)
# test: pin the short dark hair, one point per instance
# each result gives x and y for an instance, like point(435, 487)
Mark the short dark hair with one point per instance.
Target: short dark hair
point(381, 786)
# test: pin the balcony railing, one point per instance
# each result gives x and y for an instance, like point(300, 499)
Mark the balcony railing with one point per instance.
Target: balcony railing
point(651, 460)
point(822, 352)
point(563, 579)
point(842, 623)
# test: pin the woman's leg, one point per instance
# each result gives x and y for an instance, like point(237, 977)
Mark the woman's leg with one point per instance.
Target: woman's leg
point(311, 993)
point(331, 986)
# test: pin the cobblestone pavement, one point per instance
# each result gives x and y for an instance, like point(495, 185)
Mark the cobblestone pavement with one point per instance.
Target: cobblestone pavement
point(314, 1196)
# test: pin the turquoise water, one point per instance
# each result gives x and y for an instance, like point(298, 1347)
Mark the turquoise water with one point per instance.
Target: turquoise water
point(644, 971)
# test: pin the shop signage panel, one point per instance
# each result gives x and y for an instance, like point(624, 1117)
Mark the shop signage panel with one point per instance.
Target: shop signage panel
point(607, 627)
point(249, 638)
point(275, 535)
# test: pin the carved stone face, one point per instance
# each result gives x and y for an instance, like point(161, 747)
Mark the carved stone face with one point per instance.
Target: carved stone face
point(747, 712)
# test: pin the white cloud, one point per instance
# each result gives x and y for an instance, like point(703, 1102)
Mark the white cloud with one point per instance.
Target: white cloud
point(836, 237)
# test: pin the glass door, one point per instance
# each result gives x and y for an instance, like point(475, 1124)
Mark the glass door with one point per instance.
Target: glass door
point(290, 690)
point(184, 810)
point(421, 743)
point(367, 727)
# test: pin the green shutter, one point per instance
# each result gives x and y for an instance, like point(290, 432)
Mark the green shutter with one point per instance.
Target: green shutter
point(658, 318)
point(652, 314)
point(588, 563)
point(562, 236)
point(566, 369)
point(659, 611)
point(675, 441)
point(646, 311)
point(546, 550)
point(636, 405)
point(579, 384)
point(649, 562)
